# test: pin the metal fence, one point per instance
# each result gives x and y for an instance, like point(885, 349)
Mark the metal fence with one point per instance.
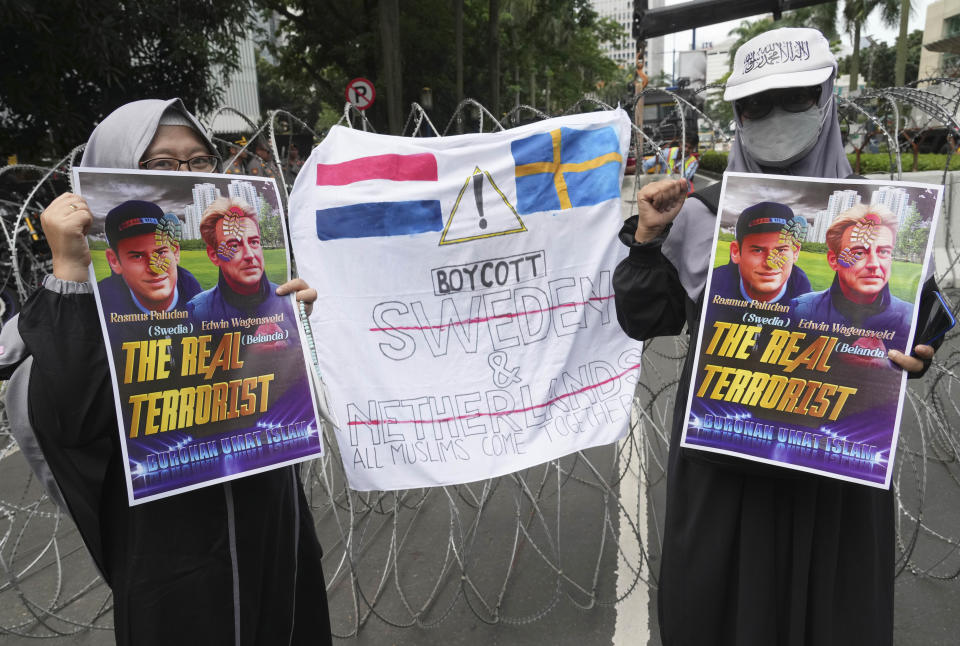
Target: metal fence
point(507, 550)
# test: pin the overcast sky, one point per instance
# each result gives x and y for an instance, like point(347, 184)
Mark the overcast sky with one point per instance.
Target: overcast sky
point(719, 32)
point(804, 197)
point(171, 191)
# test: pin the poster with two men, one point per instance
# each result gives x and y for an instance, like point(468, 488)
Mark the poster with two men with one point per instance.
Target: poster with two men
point(465, 326)
point(210, 374)
point(812, 283)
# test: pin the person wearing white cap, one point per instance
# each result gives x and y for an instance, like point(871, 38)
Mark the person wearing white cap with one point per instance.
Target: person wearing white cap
point(754, 555)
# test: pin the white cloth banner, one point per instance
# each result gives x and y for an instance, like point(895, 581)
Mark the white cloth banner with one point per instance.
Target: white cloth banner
point(465, 326)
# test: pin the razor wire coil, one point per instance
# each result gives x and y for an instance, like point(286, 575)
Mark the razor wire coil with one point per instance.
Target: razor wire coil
point(375, 542)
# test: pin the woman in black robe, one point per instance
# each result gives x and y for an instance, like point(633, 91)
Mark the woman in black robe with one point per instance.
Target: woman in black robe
point(754, 555)
point(235, 563)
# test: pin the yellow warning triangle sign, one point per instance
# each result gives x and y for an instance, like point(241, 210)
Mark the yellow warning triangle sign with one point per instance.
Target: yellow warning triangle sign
point(480, 212)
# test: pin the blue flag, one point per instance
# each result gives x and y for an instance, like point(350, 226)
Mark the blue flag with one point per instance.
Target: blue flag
point(565, 168)
point(379, 219)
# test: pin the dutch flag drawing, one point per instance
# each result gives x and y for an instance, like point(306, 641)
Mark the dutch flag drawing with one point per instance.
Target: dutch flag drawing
point(378, 219)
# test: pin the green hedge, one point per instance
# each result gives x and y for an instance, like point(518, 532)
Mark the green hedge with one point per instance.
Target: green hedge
point(713, 161)
point(880, 163)
point(716, 162)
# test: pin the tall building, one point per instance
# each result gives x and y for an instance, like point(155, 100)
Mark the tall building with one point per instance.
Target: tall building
point(718, 63)
point(624, 52)
point(203, 195)
point(240, 93)
point(245, 192)
point(191, 228)
point(941, 39)
point(818, 230)
point(894, 198)
point(718, 66)
point(839, 202)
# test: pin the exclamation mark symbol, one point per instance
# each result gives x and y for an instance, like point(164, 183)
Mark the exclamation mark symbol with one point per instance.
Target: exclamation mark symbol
point(478, 196)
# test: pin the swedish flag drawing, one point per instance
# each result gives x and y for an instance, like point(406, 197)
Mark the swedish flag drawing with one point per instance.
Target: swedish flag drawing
point(566, 167)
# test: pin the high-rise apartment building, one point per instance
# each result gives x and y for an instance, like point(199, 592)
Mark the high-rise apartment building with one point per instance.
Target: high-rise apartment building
point(245, 192)
point(203, 195)
point(624, 52)
point(894, 198)
point(839, 202)
point(941, 39)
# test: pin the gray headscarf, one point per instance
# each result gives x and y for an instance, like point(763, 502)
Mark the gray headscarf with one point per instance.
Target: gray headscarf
point(826, 159)
point(124, 135)
point(692, 230)
point(118, 142)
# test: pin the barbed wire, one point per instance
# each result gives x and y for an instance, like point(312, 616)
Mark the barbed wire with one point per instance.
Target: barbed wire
point(417, 558)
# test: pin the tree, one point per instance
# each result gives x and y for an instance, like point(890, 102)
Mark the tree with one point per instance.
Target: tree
point(565, 36)
point(493, 45)
point(560, 35)
point(552, 46)
point(720, 111)
point(69, 63)
point(302, 101)
point(747, 30)
point(878, 61)
point(900, 75)
point(822, 17)
point(388, 13)
point(458, 46)
point(855, 13)
point(912, 236)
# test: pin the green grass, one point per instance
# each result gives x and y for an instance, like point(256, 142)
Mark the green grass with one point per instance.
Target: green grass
point(904, 276)
point(199, 265)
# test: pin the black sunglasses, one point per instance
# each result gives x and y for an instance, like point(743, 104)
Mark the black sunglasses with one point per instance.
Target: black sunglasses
point(791, 99)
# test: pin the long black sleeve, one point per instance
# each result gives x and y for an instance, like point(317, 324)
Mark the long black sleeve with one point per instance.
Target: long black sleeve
point(929, 286)
point(71, 402)
point(648, 294)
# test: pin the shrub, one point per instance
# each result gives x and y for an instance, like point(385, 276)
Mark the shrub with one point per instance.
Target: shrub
point(716, 162)
point(883, 163)
point(713, 161)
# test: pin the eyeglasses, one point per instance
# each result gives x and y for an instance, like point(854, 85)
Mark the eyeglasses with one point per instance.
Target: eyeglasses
point(791, 99)
point(198, 164)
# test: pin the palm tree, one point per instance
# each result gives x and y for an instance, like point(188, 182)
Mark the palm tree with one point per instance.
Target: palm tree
point(747, 30)
point(822, 17)
point(855, 13)
point(901, 66)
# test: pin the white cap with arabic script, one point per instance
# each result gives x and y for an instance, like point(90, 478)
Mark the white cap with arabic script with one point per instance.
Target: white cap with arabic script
point(786, 57)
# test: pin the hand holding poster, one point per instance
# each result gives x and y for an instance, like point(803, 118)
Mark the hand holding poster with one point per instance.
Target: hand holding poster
point(813, 281)
point(465, 324)
point(208, 363)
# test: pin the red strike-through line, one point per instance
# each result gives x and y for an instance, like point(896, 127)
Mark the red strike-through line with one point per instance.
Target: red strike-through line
point(509, 315)
point(377, 422)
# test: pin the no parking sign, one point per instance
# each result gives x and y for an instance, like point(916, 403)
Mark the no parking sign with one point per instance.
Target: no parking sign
point(360, 93)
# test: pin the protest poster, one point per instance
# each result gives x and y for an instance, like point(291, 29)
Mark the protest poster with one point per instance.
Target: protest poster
point(465, 325)
point(812, 281)
point(208, 364)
